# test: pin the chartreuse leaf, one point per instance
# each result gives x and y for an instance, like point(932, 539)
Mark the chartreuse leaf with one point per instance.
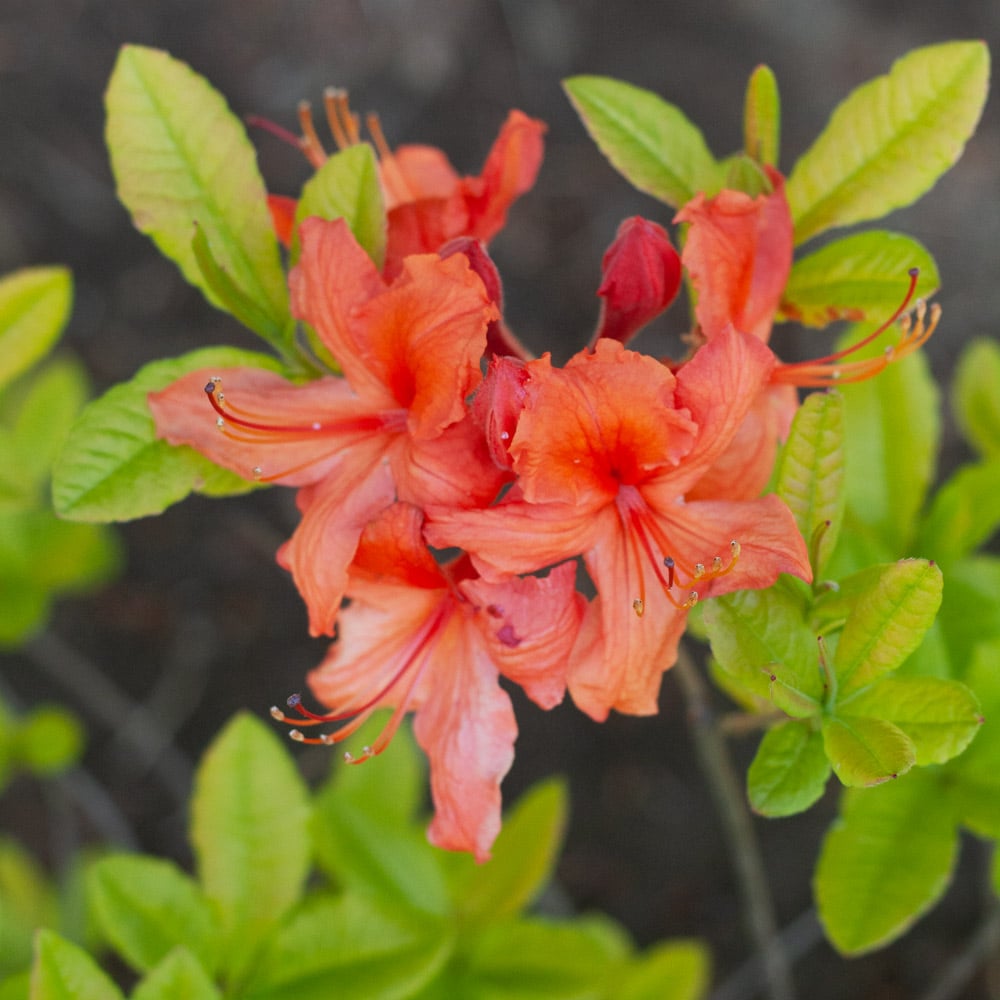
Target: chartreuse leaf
point(970, 611)
point(887, 623)
point(891, 433)
point(866, 752)
point(810, 476)
point(789, 772)
point(862, 276)
point(650, 142)
point(16, 987)
point(114, 468)
point(884, 862)
point(976, 398)
point(180, 159)
point(523, 860)
point(537, 959)
point(49, 740)
point(757, 633)
point(178, 975)
point(347, 187)
point(891, 139)
point(250, 832)
point(146, 907)
point(64, 971)
point(975, 776)
point(762, 117)
point(673, 970)
point(941, 717)
point(964, 514)
point(350, 946)
point(28, 903)
point(34, 307)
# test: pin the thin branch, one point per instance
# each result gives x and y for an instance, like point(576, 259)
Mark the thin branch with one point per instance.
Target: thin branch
point(954, 976)
point(758, 908)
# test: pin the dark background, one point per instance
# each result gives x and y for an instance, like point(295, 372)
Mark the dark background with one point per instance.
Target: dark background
point(203, 623)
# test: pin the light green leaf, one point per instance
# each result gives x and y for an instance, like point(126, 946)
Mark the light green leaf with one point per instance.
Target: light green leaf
point(524, 857)
point(976, 398)
point(789, 771)
point(866, 752)
point(941, 717)
point(892, 427)
point(862, 276)
point(650, 142)
point(970, 611)
point(112, 466)
point(891, 139)
point(146, 907)
point(885, 862)
point(49, 740)
point(810, 475)
point(347, 187)
point(352, 946)
point(791, 700)
point(16, 987)
point(34, 307)
point(672, 970)
point(762, 117)
point(178, 976)
point(888, 623)
point(753, 632)
point(180, 159)
point(964, 514)
point(535, 959)
point(28, 903)
point(63, 971)
point(250, 832)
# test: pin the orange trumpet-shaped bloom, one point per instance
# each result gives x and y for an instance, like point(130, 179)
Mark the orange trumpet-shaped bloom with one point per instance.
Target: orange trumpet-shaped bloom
point(395, 425)
point(605, 451)
point(434, 640)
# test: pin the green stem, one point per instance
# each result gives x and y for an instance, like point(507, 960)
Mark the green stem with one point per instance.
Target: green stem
point(741, 839)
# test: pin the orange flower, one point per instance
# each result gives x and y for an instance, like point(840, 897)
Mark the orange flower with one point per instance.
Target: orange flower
point(395, 425)
point(605, 451)
point(433, 640)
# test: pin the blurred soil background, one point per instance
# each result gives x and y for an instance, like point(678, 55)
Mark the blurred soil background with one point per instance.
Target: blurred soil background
point(203, 623)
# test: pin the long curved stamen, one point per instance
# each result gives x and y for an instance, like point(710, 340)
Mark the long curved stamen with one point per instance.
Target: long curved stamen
point(829, 370)
point(343, 123)
point(414, 661)
point(310, 143)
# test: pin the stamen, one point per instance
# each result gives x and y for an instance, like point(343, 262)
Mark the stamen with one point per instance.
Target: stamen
point(256, 121)
point(826, 371)
point(342, 122)
point(310, 144)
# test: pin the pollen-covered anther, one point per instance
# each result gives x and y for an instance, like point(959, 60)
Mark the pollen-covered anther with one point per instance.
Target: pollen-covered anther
point(638, 606)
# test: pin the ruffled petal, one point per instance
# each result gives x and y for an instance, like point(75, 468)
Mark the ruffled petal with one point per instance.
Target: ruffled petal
point(529, 625)
point(307, 426)
point(413, 172)
point(334, 513)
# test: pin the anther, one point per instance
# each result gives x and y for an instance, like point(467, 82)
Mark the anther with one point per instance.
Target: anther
point(717, 564)
point(699, 571)
point(638, 607)
point(734, 549)
point(257, 471)
point(220, 423)
point(295, 734)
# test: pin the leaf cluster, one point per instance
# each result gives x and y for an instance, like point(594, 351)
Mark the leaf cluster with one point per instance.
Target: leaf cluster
point(338, 893)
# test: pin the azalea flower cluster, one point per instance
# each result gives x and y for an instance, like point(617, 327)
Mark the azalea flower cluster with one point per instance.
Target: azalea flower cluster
point(441, 434)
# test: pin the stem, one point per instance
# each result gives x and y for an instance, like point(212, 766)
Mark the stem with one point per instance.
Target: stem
point(758, 908)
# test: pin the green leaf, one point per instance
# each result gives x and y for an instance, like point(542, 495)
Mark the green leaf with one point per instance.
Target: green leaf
point(789, 772)
point(28, 903)
point(862, 276)
point(34, 307)
point(352, 946)
point(762, 117)
point(178, 975)
point(49, 740)
point(250, 831)
point(891, 432)
point(16, 987)
point(523, 861)
point(536, 959)
point(114, 468)
point(886, 861)
point(970, 611)
point(866, 752)
point(181, 158)
point(810, 475)
point(891, 139)
point(975, 397)
point(941, 717)
point(63, 971)
point(146, 907)
point(753, 632)
point(672, 970)
point(650, 142)
point(347, 187)
point(888, 623)
point(964, 514)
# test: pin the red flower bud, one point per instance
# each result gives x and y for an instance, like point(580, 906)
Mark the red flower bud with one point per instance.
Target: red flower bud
point(498, 404)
